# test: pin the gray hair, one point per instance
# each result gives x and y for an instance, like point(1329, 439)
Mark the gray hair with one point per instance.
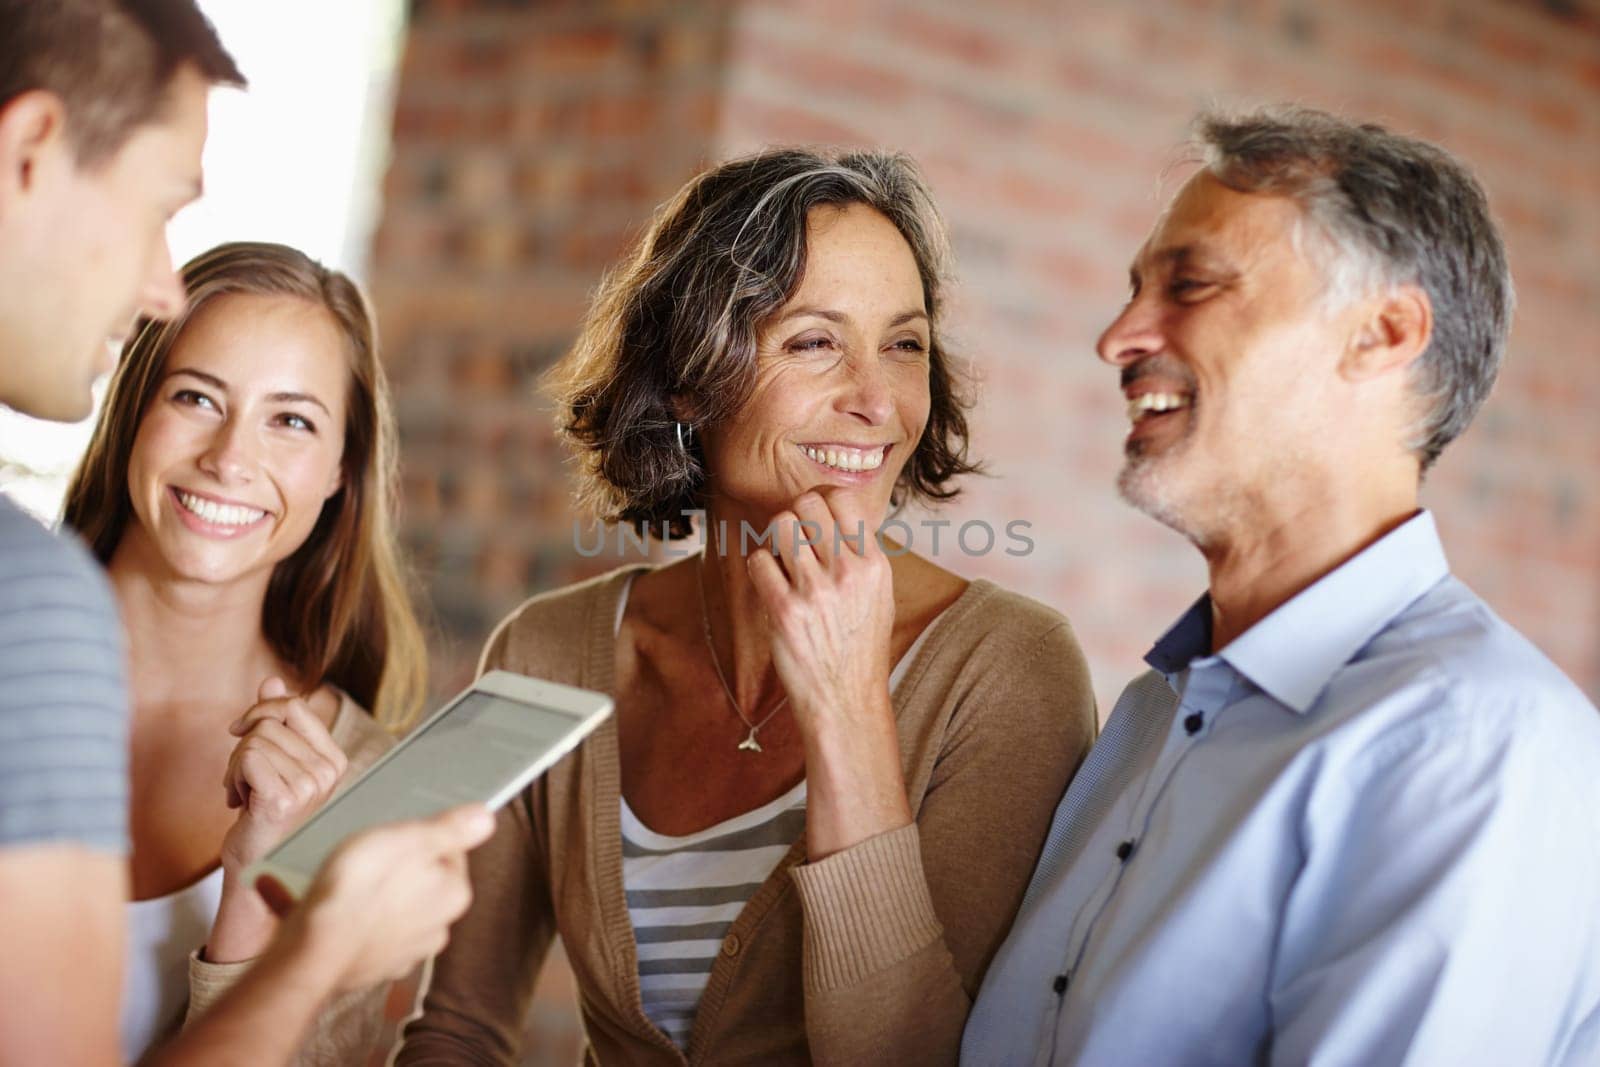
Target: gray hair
point(1390, 210)
point(672, 333)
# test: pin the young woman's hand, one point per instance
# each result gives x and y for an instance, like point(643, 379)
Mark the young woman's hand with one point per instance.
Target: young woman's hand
point(285, 766)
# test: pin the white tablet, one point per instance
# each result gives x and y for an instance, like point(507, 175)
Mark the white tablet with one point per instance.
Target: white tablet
point(483, 747)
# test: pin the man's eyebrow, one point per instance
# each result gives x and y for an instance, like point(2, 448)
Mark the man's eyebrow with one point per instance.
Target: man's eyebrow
point(1177, 254)
point(1145, 255)
point(1174, 256)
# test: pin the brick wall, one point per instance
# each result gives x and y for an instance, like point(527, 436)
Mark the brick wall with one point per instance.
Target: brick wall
point(532, 140)
point(531, 143)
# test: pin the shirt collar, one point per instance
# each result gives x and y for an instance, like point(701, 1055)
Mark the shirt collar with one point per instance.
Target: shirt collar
point(1294, 652)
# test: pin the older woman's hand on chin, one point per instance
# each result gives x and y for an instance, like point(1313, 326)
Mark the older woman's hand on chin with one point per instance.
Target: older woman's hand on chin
point(832, 609)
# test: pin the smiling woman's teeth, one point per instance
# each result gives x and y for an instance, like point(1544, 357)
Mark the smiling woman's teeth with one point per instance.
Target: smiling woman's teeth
point(1145, 403)
point(219, 514)
point(847, 459)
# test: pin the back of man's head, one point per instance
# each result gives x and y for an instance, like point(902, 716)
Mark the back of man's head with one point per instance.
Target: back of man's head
point(110, 61)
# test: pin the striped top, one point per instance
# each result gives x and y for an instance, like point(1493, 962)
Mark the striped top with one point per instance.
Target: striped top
point(684, 892)
point(63, 694)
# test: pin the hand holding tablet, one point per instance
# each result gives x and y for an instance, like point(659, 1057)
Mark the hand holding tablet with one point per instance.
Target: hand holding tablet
point(386, 898)
point(483, 747)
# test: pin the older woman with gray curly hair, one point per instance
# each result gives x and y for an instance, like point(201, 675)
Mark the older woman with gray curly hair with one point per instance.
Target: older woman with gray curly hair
point(833, 763)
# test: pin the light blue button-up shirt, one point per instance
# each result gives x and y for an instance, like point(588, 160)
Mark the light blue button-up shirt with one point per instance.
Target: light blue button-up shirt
point(1365, 832)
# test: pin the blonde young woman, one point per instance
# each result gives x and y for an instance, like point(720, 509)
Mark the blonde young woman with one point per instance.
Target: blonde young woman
point(807, 828)
point(237, 489)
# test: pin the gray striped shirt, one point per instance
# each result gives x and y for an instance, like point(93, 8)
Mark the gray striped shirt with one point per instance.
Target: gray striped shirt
point(63, 693)
point(684, 893)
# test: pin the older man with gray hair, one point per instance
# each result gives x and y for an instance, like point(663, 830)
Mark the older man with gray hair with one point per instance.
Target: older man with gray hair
point(1350, 816)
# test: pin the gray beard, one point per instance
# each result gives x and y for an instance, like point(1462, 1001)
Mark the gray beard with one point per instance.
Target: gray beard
point(1142, 485)
point(1144, 482)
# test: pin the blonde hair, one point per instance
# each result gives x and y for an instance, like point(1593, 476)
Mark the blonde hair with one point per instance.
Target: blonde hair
point(337, 610)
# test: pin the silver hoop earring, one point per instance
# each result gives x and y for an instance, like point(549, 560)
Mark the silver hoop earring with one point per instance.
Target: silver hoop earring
point(685, 436)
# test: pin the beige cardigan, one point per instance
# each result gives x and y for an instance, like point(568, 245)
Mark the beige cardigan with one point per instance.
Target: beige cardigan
point(871, 955)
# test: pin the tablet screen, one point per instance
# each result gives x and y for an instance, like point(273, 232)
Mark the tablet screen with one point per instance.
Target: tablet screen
point(469, 755)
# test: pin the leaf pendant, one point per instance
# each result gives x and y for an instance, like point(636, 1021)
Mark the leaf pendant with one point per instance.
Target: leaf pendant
point(750, 743)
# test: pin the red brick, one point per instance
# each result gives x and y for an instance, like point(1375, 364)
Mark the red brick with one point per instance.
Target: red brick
point(1587, 73)
point(932, 39)
point(786, 123)
point(553, 52)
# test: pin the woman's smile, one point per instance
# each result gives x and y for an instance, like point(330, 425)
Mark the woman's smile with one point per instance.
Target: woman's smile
point(854, 464)
point(215, 517)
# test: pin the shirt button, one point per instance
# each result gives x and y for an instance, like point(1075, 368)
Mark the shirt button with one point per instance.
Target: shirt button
point(1193, 723)
point(1124, 850)
point(1060, 984)
point(730, 945)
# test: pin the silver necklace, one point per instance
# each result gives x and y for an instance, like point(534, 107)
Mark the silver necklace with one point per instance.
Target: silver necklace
point(749, 744)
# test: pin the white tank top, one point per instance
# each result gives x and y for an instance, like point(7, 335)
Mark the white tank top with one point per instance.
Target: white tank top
point(162, 932)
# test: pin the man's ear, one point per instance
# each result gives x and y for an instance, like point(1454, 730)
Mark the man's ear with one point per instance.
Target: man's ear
point(32, 125)
point(1393, 333)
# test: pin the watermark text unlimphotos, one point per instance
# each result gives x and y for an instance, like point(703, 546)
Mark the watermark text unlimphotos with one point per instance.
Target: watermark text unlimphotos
point(896, 537)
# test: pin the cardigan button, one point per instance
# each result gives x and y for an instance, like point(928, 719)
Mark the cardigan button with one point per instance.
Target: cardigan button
point(730, 945)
